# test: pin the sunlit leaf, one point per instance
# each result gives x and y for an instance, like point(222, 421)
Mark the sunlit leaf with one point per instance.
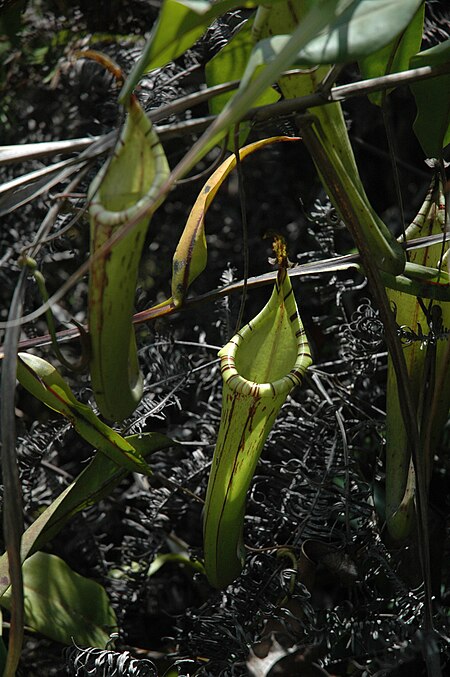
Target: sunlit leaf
point(322, 19)
point(179, 25)
point(43, 381)
point(63, 605)
point(395, 57)
point(229, 64)
point(355, 30)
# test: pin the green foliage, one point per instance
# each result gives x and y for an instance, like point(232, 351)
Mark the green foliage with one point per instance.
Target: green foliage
point(230, 64)
point(44, 382)
point(63, 605)
point(400, 474)
point(96, 481)
point(353, 30)
point(394, 57)
point(264, 360)
point(180, 24)
point(432, 125)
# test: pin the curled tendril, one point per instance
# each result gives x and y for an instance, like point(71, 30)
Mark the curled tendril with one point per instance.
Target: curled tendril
point(103, 663)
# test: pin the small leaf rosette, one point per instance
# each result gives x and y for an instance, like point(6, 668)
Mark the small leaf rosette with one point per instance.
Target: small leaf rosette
point(260, 365)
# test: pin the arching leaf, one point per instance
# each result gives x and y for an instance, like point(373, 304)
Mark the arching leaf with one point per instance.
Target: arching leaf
point(43, 381)
point(354, 30)
point(96, 481)
point(191, 253)
point(180, 24)
point(229, 64)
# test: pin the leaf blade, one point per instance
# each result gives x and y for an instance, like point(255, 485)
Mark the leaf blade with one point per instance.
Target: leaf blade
point(394, 57)
point(179, 25)
point(43, 381)
point(63, 605)
point(96, 481)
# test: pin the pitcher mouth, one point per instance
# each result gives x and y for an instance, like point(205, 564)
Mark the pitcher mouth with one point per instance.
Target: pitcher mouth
point(244, 386)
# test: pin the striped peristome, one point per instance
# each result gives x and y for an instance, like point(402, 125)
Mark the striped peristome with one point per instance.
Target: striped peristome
point(438, 210)
point(294, 377)
point(260, 366)
point(98, 210)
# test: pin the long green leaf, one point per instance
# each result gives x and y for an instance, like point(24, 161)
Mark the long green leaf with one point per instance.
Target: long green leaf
point(12, 495)
point(331, 132)
point(315, 20)
point(355, 30)
point(230, 64)
point(179, 25)
point(63, 605)
point(400, 479)
point(96, 481)
point(320, 16)
point(43, 381)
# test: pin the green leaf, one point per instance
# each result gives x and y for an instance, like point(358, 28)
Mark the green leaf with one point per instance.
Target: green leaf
point(229, 64)
point(179, 25)
point(63, 605)
point(400, 478)
point(43, 381)
point(355, 30)
point(433, 102)
point(330, 19)
point(395, 57)
point(96, 481)
point(250, 90)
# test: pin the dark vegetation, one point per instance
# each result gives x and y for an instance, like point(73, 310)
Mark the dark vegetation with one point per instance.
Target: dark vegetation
point(351, 603)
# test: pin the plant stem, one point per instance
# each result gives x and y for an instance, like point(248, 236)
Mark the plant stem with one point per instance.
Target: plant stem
point(409, 413)
point(12, 510)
